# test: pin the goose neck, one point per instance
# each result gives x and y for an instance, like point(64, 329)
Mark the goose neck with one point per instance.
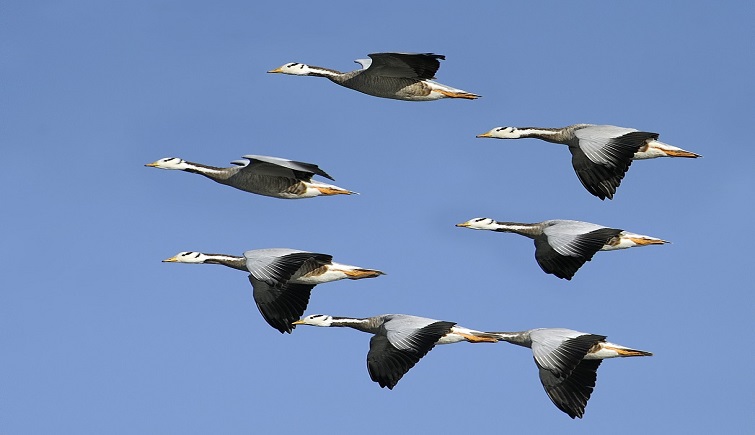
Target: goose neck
point(553, 135)
point(232, 261)
point(529, 230)
point(365, 325)
point(208, 171)
point(520, 338)
point(328, 73)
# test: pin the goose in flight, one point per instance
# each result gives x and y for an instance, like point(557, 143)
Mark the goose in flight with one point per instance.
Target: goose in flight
point(399, 76)
point(563, 246)
point(399, 341)
point(567, 362)
point(263, 175)
point(282, 279)
point(601, 154)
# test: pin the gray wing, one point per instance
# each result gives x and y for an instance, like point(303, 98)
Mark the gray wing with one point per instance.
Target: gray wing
point(276, 166)
point(567, 378)
point(280, 305)
point(604, 155)
point(276, 266)
point(405, 65)
point(564, 247)
point(387, 363)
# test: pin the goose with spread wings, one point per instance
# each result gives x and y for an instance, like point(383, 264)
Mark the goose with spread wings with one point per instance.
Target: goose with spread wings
point(263, 175)
point(563, 246)
point(601, 154)
point(282, 279)
point(399, 341)
point(568, 362)
point(398, 76)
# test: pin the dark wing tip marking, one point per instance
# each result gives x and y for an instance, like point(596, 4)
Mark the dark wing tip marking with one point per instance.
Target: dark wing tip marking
point(281, 305)
point(571, 394)
point(553, 263)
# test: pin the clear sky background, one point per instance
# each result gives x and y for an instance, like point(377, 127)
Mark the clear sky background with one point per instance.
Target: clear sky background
point(99, 336)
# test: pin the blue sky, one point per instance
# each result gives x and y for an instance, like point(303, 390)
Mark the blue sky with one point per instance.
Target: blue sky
point(99, 336)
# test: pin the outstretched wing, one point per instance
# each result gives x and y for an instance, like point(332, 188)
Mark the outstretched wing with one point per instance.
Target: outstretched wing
point(387, 363)
point(406, 65)
point(281, 305)
point(276, 266)
point(571, 394)
point(604, 155)
point(563, 254)
point(567, 378)
point(276, 166)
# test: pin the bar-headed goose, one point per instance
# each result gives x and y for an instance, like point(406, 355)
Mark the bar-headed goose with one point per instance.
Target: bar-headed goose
point(263, 175)
point(399, 341)
point(282, 279)
point(399, 76)
point(563, 246)
point(601, 154)
point(568, 362)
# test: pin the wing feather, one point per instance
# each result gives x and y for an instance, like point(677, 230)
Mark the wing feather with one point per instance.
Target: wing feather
point(422, 66)
point(604, 155)
point(563, 254)
point(571, 394)
point(276, 266)
point(283, 167)
point(567, 377)
point(281, 305)
point(386, 364)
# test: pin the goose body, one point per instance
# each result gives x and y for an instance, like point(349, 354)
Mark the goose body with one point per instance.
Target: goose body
point(601, 154)
point(567, 362)
point(399, 341)
point(399, 76)
point(563, 246)
point(282, 279)
point(263, 175)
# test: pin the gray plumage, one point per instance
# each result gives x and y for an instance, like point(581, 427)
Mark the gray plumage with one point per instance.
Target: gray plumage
point(601, 154)
point(262, 175)
point(402, 341)
point(400, 76)
point(282, 279)
point(565, 245)
point(279, 300)
point(393, 75)
point(398, 343)
point(561, 246)
point(567, 363)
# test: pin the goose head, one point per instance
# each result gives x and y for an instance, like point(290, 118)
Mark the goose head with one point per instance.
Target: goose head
point(169, 163)
point(480, 223)
point(188, 257)
point(315, 320)
point(502, 133)
point(293, 68)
